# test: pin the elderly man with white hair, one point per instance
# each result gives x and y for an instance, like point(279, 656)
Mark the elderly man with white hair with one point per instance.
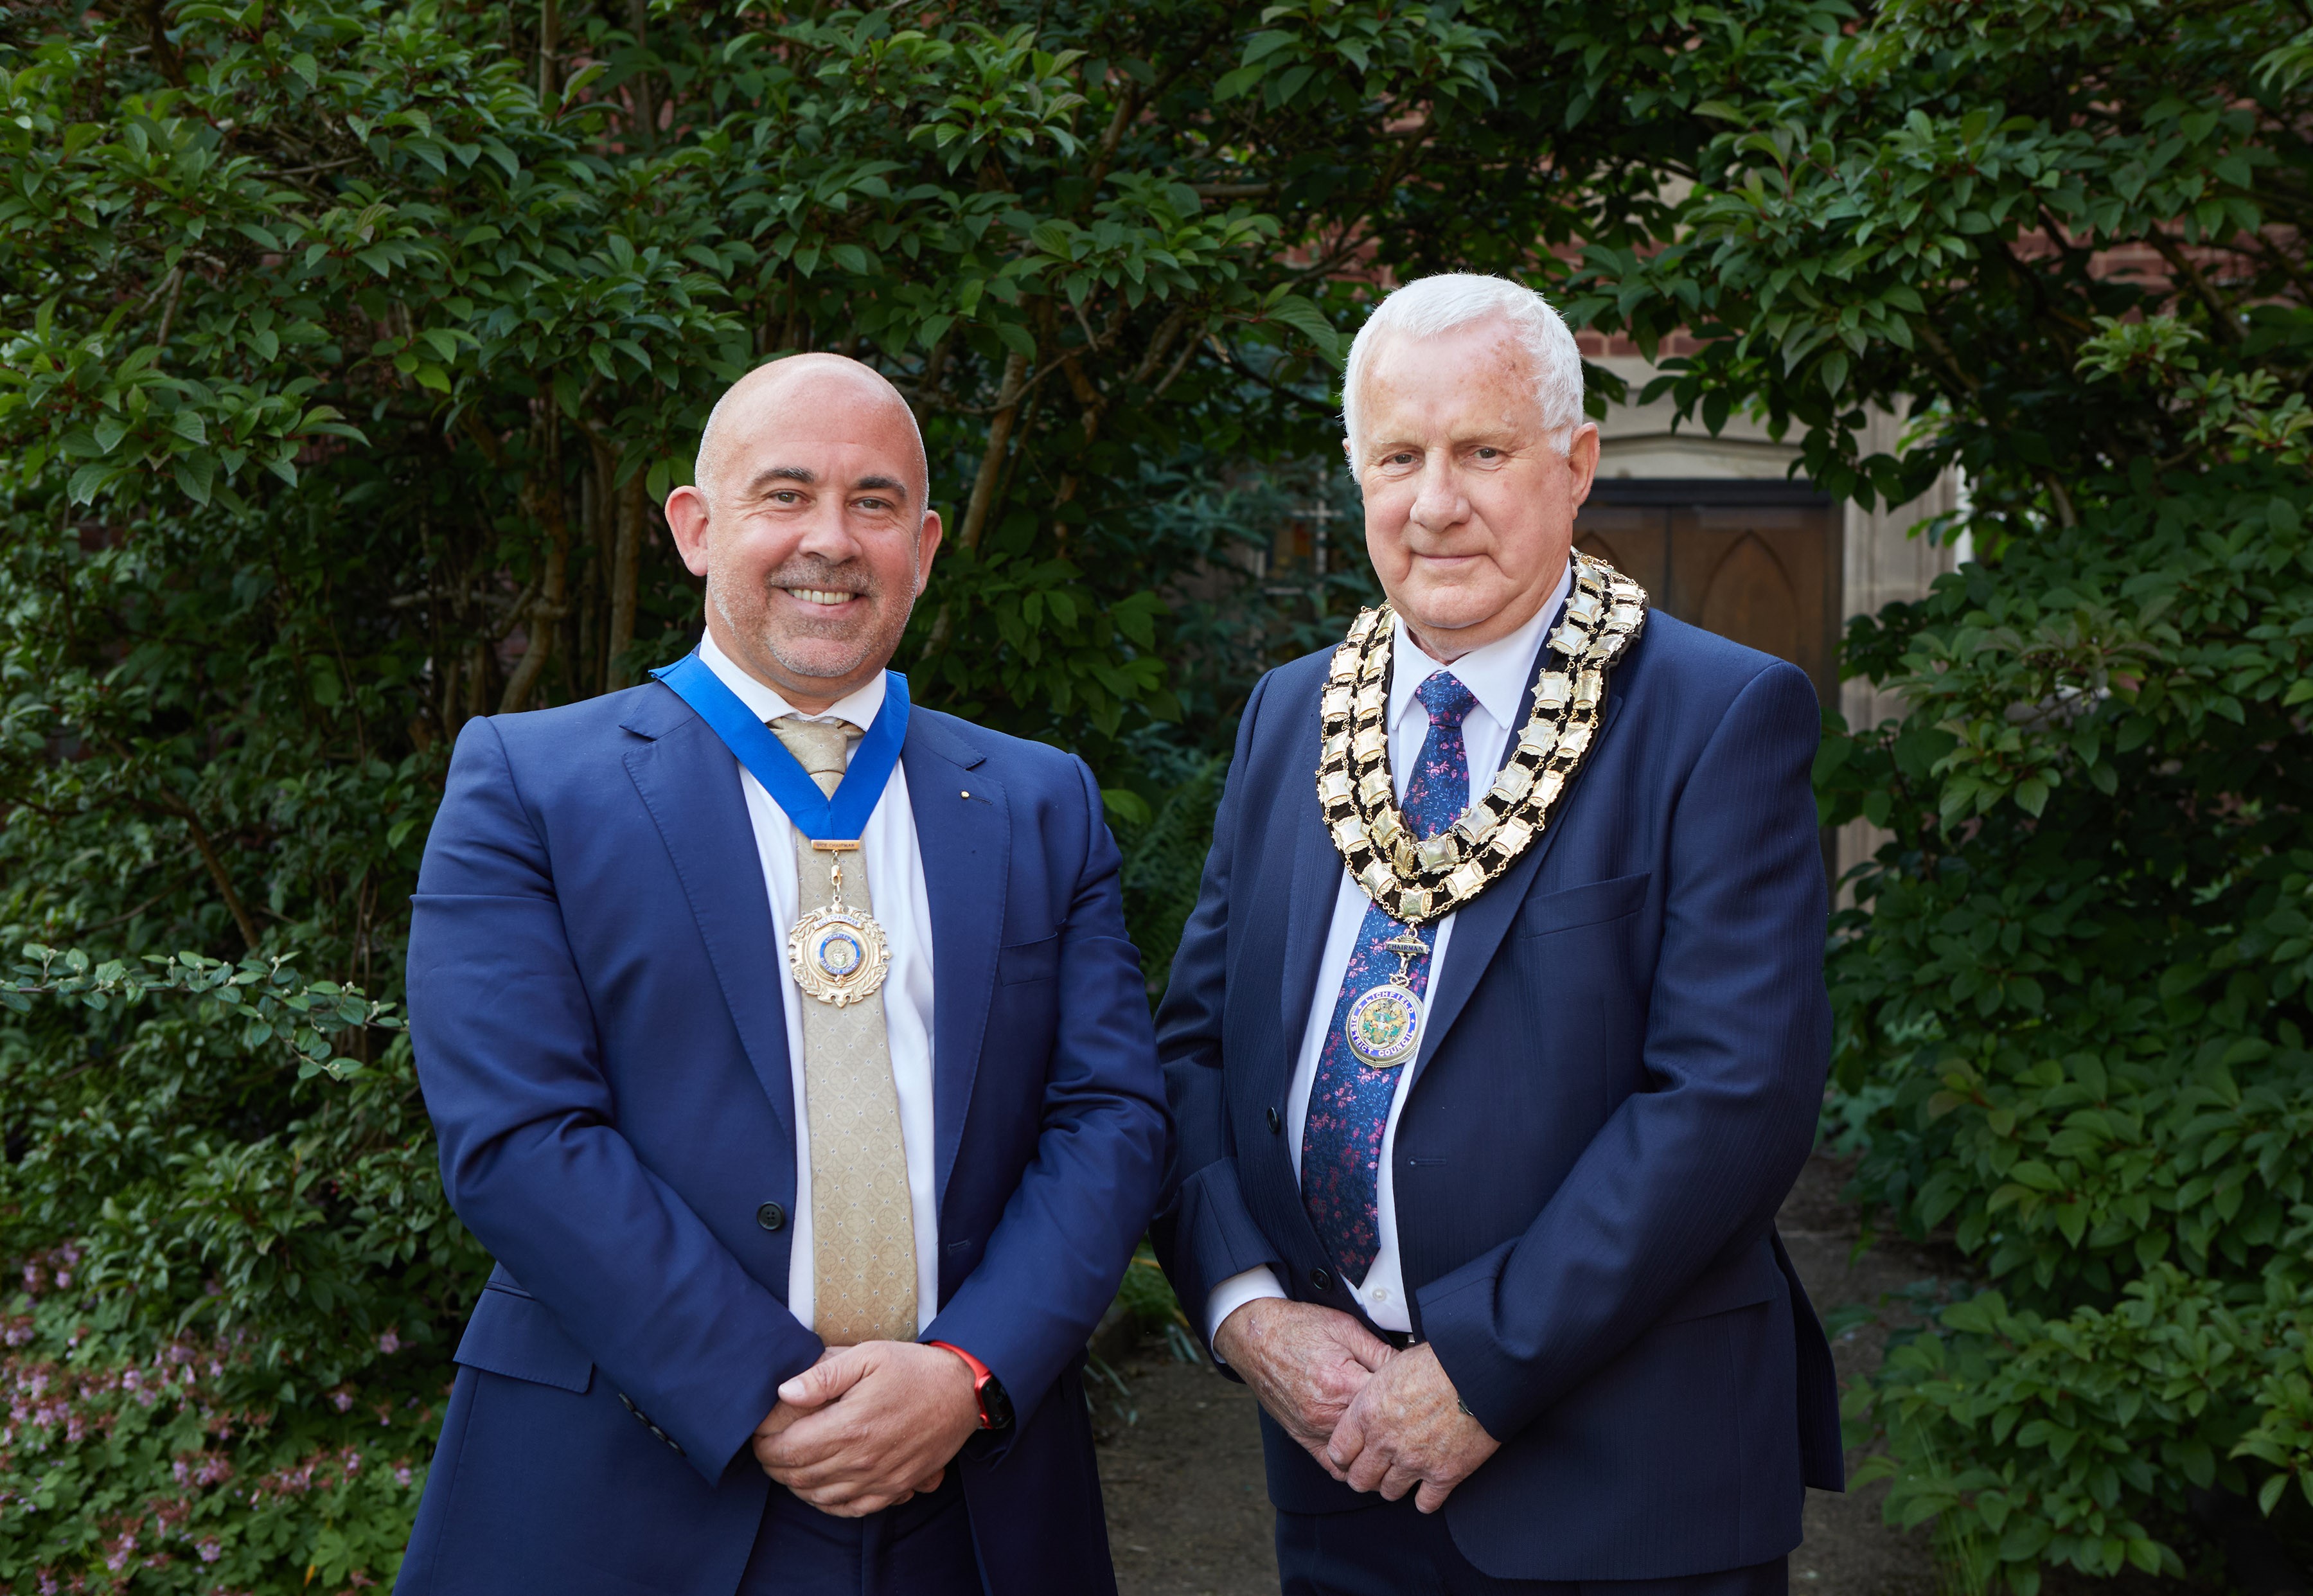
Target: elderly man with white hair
point(1497, 1035)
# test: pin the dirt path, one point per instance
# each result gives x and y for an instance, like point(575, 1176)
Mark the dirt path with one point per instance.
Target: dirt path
point(1188, 1514)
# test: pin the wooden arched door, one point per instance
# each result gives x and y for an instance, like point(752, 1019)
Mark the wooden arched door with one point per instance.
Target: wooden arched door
point(1759, 562)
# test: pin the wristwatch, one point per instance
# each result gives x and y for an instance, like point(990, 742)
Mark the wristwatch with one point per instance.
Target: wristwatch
point(995, 1405)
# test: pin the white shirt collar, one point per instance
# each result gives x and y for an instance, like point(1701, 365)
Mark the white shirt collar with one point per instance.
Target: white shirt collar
point(1495, 673)
point(858, 707)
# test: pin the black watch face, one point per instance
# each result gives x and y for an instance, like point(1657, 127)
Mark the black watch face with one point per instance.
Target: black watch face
point(995, 1404)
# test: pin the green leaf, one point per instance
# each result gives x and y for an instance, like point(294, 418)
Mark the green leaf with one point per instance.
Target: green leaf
point(88, 481)
point(1311, 322)
point(1126, 806)
point(195, 476)
point(1234, 83)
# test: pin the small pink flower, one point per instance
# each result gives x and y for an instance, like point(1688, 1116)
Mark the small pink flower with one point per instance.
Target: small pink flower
point(210, 1550)
point(389, 1343)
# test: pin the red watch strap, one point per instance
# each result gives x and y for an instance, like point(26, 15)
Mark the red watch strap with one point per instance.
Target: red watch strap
point(981, 1376)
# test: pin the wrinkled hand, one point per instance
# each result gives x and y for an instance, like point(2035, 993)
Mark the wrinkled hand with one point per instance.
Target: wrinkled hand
point(1406, 1429)
point(1305, 1362)
point(868, 1426)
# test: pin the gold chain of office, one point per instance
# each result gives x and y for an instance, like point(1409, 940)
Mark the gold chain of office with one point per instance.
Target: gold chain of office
point(1417, 880)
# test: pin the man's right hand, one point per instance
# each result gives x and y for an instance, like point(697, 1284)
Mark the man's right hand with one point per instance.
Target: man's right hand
point(1305, 1363)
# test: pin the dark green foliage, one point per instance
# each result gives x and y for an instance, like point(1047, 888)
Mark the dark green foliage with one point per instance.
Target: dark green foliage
point(1165, 863)
point(2088, 1019)
point(347, 346)
point(229, 1371)
point(2073, 1001)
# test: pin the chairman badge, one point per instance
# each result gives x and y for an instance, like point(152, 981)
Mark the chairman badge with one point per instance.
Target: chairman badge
point(838, 953)
point(1385, 1022)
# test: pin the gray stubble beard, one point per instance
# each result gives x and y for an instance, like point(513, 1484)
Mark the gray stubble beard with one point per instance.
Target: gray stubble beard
point(770, 644)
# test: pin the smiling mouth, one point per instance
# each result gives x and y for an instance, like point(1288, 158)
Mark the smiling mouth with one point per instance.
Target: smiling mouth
point(820, 596)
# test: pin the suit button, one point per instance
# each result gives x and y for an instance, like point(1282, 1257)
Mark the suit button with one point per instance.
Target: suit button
point(771, 1217)
point(1322, 1279)
point(1276, 1122)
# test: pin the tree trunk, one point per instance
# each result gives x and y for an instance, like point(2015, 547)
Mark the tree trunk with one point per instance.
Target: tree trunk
point(544, 492)
point(992, 460)
point(646, 108)
point(549, 47)
point(626, 570)
point(165, 60)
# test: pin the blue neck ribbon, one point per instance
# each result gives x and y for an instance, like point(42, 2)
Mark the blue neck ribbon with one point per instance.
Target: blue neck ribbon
point(838, 818)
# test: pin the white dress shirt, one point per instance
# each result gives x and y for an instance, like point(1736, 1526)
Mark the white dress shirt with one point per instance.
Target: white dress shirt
point(1497, 675)
point(895, 882)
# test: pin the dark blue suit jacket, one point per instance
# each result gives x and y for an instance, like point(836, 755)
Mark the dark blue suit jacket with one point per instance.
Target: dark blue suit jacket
point(1621, 1074)
point(594, 994)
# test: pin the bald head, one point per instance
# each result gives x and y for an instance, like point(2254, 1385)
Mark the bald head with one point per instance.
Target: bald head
point(807, 388)
point(809, 517)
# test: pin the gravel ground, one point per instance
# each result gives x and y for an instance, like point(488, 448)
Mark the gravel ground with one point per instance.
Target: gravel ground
point(1188, 1514)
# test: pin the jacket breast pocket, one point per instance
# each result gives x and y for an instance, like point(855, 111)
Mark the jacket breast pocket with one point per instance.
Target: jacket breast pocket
point(512, 1334)
point(1029, 961)
point(1592, 904)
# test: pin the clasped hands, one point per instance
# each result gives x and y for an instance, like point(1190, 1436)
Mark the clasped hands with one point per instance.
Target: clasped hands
point(1373, 1417)
point(868, 1426)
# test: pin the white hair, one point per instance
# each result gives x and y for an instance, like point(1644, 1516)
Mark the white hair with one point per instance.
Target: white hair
point(1427, 306)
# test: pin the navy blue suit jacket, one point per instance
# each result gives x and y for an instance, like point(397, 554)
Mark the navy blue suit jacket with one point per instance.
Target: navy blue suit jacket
point(1621, 1073)
point(594, 995)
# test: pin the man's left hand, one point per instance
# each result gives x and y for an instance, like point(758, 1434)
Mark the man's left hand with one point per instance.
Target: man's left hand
point(868, 1426)
point(1405, 1430)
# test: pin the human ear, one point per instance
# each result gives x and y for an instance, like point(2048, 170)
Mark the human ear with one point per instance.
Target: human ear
point(1582, 461)
point(686, 518)
point(928, 542)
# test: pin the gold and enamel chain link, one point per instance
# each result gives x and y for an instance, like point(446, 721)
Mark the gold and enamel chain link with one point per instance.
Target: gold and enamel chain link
point(1417, 880)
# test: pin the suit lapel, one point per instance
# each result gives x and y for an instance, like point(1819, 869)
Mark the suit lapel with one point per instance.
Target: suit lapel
point(965, 844)
point(1478, 930)
point(689, 783)
point(1308, 908)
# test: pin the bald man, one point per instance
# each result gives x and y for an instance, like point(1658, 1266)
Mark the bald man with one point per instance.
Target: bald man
point(786, 1051)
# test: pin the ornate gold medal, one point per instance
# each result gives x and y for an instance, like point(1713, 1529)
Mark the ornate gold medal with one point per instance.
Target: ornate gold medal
point(1384, 1021)
point(1416, 881)
point(838, 953)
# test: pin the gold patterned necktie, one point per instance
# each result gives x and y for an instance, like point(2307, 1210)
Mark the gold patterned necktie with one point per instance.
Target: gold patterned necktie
point(862, 1222)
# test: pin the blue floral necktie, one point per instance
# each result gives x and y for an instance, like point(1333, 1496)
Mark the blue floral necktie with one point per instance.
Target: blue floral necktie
point(1349, 1101)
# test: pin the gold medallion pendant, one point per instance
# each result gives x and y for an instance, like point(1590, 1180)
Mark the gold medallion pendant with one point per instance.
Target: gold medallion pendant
point(838, 953)
point(1384, 1021)
point(1416, 880)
